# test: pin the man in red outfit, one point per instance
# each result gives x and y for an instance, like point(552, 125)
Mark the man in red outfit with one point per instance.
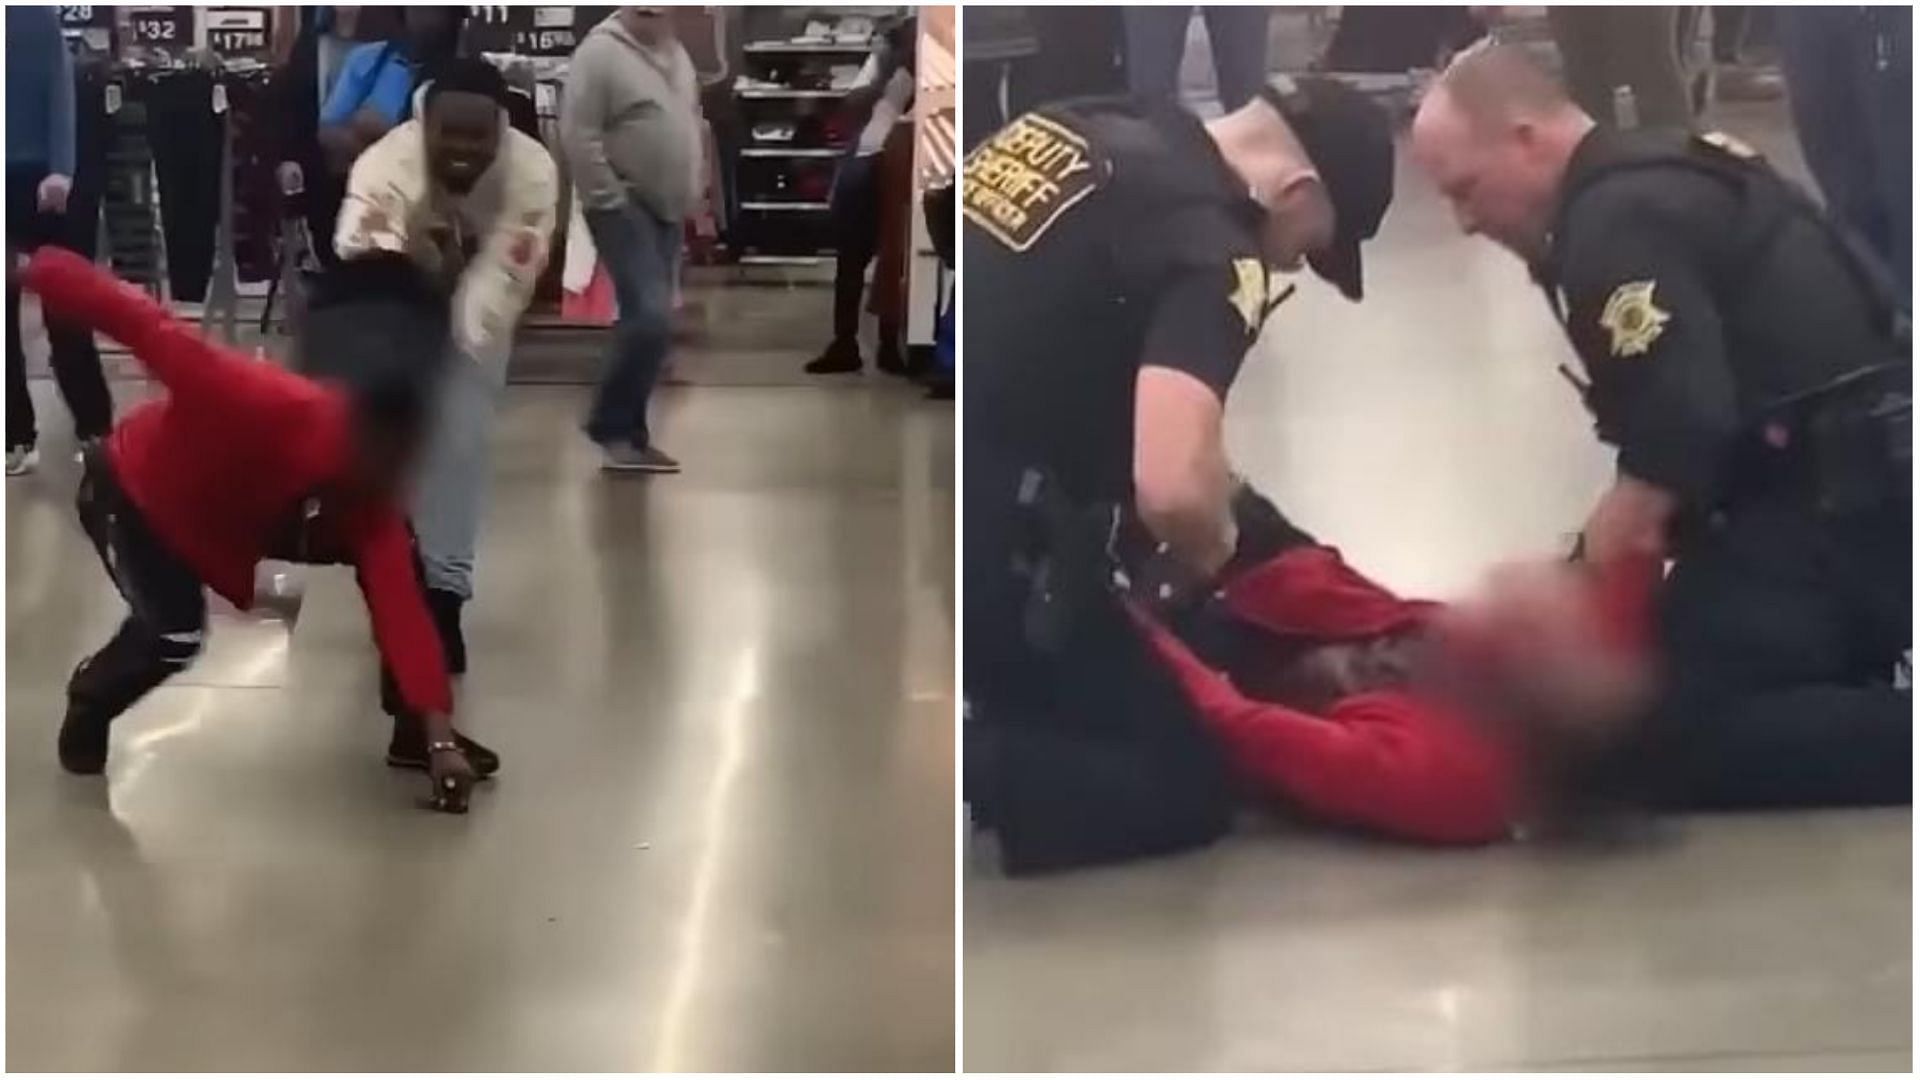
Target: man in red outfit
point(1440, 724)
point(241, 460)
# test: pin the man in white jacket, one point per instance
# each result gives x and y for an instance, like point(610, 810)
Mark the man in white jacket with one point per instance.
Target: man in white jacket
point(474, 202)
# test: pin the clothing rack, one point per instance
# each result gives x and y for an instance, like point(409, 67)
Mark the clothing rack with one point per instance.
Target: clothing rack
point(219, 311)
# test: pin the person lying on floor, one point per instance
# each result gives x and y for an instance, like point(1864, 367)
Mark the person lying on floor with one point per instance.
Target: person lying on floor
point(241, 460)
point(1524, 708)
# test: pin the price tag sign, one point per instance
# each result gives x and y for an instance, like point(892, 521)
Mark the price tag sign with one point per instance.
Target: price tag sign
point(161, 27)
point(90, 24)
point(559, 41)
point(544, 31)
point(237, 32)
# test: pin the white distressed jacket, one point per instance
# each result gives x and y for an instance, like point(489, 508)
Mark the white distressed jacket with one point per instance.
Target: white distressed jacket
point(508, 220)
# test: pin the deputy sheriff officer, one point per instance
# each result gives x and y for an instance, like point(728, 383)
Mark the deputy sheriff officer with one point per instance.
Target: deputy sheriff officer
point(1751, 365)
point(1121, 260)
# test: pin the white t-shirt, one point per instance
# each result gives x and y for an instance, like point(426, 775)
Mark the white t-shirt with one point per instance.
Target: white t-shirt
point(888, 111)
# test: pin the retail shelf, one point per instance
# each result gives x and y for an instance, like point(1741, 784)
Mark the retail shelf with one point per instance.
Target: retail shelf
point(803, 47)
point(784, 260)
point(796, 152)
point(775, 93)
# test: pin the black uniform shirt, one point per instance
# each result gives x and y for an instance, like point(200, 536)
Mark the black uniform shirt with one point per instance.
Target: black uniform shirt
point(1698, 290)
point(1101, 235)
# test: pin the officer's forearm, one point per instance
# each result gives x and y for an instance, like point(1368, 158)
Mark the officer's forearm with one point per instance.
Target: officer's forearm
point(1194, 519)
point(1630, 521)
point(1182, 485)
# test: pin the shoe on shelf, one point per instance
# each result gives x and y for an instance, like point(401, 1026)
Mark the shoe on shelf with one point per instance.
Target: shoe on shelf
point(840, 358)
point(627, 457)
point(22, 460)
point(408, 749)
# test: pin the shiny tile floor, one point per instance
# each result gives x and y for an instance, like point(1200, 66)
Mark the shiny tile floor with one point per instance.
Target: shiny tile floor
point(722, 838)
point(1426, 432)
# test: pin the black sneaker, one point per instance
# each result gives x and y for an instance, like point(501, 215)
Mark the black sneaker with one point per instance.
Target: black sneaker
point(83, 743)
point(889, 360)
point(408, 750)
point(841, 358)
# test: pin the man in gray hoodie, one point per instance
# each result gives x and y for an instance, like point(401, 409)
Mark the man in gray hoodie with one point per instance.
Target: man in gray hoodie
point(630, 128)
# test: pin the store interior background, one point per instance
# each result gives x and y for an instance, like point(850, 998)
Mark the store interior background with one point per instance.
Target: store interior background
point(1427, 433)
point(721, 838)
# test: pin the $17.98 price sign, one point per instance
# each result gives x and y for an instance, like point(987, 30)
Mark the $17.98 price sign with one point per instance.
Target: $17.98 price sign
point(237, 32)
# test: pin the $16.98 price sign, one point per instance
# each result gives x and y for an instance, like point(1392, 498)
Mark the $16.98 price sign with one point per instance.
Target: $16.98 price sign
point(161, 27)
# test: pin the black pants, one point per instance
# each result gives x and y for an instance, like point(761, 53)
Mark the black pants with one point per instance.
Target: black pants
point(1782, 630)
point(187, 137)
point(166, 609)
point(856, 239)
point(1084, 754)
point(76, 360)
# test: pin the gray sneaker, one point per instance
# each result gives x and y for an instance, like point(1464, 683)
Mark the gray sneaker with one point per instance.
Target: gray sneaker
point(626, 457)
point(22, 460)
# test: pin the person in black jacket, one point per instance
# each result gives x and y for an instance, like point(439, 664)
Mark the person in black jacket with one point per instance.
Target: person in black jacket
point(1752, 368)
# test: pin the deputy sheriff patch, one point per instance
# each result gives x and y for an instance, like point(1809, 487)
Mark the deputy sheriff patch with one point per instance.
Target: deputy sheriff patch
point(1632, 319)
point(1020, 182)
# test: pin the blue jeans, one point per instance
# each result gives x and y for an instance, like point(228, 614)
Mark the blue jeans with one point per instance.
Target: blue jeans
point(1157, 39)
point(1850, 77)
point(450, 493)
point(640, 252)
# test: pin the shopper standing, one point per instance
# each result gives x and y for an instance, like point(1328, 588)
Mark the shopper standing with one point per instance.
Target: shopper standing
point(1605, 48)
point(880, 98)
point(630, 129)
point(1850, 79)
point(40, 168)
point(1157, 39)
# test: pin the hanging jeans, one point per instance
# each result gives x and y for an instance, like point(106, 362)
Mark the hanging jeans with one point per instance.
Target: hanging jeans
point(186, 136)
point(76, 359)
point(1850, 78)
point(451, 491)
point(1157, 38)
point(639, 251)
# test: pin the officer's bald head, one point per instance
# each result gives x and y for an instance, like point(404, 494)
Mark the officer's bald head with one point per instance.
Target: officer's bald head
point(1495, 133)
point(1496, 84)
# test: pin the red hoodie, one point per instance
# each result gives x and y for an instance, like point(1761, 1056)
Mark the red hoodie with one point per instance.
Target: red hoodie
point(225, 459)
point(1389, 761)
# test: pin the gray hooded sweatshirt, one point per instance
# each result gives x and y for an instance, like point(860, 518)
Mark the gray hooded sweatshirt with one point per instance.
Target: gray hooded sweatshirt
point(630, 123)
